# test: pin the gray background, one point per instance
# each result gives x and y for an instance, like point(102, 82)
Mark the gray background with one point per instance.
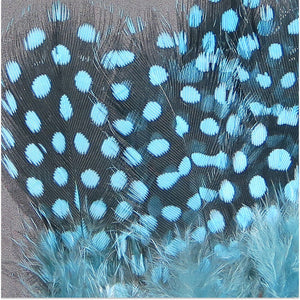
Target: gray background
point(15, 205)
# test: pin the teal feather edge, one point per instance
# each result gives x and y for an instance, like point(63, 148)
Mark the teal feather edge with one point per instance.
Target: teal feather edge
point(260, 261)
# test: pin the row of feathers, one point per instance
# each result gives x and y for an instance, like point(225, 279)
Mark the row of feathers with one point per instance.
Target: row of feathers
point(127, 134)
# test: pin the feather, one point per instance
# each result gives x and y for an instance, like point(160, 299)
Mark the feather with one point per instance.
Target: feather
point(139, 141)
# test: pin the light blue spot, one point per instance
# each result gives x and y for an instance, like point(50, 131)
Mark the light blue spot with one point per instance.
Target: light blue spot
point(288, 80)
point(259, 135)
point(291, 191)
point(266, 13)
point(226, 191)
point(288, 116)
point(158, 147)
point(123, 210)
point(32, 121)
point(190, 95)
point(138, 191)
point(171, 213)
point(264, 80)
point(83, 81)
point(41, 86)
point(239, 162)
point(7, 138)
point(230, 20)
point(275, 51)
point(59, 12)
point(59, 142)
point(61, 55)
point(202, 62)
point(209, 126)
point(60, 176)
point(124, 127)
point(120, 91)
point(293, 27)
point(196, 16)
point(209, 42)
point(110, 148)
point(132, 157)
point(165, 40)
point(233, 125)
point(279, 159)
point(81, 143)
point(117, 58)
point(181, 126)
point(167, 180)
point(216, 222)
point(219, 160)
point(220, 93)
point(257, 186)
point(185, 166)
point(181, 41)
point(65, 108)
point(207, 194)
point(61, 208)
point(246, 45)
point(148, 222)
point(11, 104)
point(10, 167)
point(152, 111)
point(194, 202)
point(99, 114)
point(34, 39)
point(90, 178)
point(97, 209)
point(100, 240)
point(35, 187)
point(175, 246)
point(242, 74)
point(258, 109)
point(244, 217)
point(199, 234)
point(13, 71)
point(158, 75)
point(87, 33)
point(265, 28)
point(251, 3)
point(34, 155)
point(118, 180)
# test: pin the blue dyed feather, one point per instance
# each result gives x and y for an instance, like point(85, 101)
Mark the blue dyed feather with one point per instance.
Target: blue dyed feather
point(162, 159)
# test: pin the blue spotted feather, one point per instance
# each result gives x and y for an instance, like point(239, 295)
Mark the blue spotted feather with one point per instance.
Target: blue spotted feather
point(147, 147)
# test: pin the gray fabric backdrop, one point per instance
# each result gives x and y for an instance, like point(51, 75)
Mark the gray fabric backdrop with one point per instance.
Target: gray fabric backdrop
point(15, 205)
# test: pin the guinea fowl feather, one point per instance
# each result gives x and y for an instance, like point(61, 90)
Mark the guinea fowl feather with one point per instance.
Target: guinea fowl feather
point(162, 159)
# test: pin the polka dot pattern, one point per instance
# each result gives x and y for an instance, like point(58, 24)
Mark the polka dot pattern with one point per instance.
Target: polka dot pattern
point(90, 178)
point(83, 81)
point(200, 129)
point(13, 71)
point(61, 208)
point(34, 39)
point(61, 55)
point(41, 86)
